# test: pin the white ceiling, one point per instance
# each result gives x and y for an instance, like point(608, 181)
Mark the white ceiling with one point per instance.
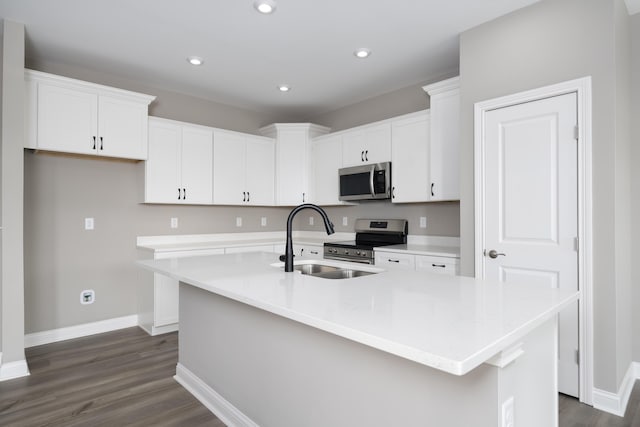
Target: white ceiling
point(306, 44)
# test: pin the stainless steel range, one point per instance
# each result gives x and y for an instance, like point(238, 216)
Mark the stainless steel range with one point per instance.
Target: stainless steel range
point(370, 233)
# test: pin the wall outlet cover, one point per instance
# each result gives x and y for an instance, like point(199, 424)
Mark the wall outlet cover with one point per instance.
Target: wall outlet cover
point(239, 221)
point(87, 296)
point(423, 222)
point(310, 220)
point(174, 222)
point(345, 221)
point(263, 221)
point(88, 224)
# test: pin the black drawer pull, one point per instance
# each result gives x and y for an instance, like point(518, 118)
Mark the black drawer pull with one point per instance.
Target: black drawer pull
point(439, 265)
point(394, 260)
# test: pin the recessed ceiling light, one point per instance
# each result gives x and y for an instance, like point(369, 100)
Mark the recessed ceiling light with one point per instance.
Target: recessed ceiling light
point(284, 88)
point(362, 53)
point(195, 60)
point(265, 6)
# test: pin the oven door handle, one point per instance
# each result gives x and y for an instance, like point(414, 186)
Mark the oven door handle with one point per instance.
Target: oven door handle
point(371, 174)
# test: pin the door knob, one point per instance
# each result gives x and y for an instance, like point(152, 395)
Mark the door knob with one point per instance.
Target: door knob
point(494, 254)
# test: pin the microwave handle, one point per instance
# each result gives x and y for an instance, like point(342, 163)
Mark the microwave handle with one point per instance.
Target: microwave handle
point(371, 174)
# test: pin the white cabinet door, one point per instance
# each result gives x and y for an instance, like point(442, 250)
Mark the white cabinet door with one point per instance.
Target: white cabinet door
point(394, 261)
point(365, 145)
point(292, 159)
point(162, 169)
point(327, 160)
point(67, 120)
point(73, 116)
point(260, 167)
point(441, 265)
point(409, 169)
point(179, 167)
point(122, 128)
point(197, 165)
point(444, 158)
point(229, 162)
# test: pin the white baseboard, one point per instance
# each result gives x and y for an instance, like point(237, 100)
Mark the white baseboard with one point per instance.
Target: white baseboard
point(11, 370)
point(78, 331)
point(228, 414)
point(616, 403)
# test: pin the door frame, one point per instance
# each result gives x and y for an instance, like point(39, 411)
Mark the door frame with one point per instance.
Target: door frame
point(582, 87)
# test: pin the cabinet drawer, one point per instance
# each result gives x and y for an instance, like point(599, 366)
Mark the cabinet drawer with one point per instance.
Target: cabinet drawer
point(394, 261)
point(440, 265)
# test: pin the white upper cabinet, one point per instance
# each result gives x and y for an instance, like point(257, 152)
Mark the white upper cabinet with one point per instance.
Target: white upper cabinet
point(243, 169)
point(367, 144)
point(444, 156)
point(293, 160)
point(326, 156)
point(179, 167)
point(72, 116)
point(410, 158)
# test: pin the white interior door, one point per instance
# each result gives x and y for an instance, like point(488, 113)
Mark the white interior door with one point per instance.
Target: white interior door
point(531, 207)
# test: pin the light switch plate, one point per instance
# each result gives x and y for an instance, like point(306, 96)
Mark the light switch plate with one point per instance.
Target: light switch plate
point(345, 221)
point(310, 220)
point(239, 221)
point(263, 221)
point(174, 222)
point(423, 222)
point(88, 224)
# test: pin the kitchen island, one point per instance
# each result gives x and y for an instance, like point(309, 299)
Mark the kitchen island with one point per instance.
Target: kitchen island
point(259, 346)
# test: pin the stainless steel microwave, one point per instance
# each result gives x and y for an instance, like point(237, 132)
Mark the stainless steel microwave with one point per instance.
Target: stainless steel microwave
point(366, 182)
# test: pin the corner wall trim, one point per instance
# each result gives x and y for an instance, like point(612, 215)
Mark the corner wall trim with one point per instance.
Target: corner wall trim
point(78, 331)
point(616, 403)
point(11, 370)
point(223, 409)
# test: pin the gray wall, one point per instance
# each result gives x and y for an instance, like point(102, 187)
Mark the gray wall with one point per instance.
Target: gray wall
point(62, 259)
point(635, 179)
point(12, 283)
point(546, 43)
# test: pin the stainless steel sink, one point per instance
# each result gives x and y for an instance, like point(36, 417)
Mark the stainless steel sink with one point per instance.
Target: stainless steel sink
point(330, 272)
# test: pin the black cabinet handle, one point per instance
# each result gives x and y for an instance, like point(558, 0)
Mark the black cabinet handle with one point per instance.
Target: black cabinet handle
point(394, 260)
point(314, 252)
point(366, 155)
point(94, 143)
point(184, 194)
point(101, 143)
point(393, 192)
point(248, 196)
point(362, 156)
point(303, 197)
point(432, 184)
point(179, 194)
point(244, 196)
point(439, 265)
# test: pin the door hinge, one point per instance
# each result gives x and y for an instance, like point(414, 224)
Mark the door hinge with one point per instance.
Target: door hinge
point(576, 132)
point(577, 357)
point(576, 244)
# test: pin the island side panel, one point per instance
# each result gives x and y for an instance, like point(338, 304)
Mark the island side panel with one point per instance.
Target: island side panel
point(281, 373)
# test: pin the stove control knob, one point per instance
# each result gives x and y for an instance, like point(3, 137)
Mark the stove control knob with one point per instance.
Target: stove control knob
point(358, 253)
point(346, 252)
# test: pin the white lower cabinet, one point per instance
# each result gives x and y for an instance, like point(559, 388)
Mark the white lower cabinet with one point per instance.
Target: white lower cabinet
point(394, 261)
point(158, 295)
point(408, 261)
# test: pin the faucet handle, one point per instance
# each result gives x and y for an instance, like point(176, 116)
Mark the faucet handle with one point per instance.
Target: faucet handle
point(284, 257)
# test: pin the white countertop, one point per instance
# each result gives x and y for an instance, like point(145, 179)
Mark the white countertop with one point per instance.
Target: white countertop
point(450, 323)
point(417, 249)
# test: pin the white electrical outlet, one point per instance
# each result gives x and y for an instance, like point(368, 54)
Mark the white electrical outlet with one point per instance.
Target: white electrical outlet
point(263, 221)
point(174, 222)
point(239, 221)
point(310, 220)
point(87, 296)
point(423, 222)
point(507, 413)
point(345, 221)
point(88, 224)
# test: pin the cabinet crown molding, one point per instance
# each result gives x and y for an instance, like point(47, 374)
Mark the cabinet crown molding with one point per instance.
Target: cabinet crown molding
point(39, 76)
point(312, 128)
point(443, 86)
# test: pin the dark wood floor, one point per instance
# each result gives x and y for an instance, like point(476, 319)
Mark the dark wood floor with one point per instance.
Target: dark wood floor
point(125, 378)
point(122, 378)
point(576, 414)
